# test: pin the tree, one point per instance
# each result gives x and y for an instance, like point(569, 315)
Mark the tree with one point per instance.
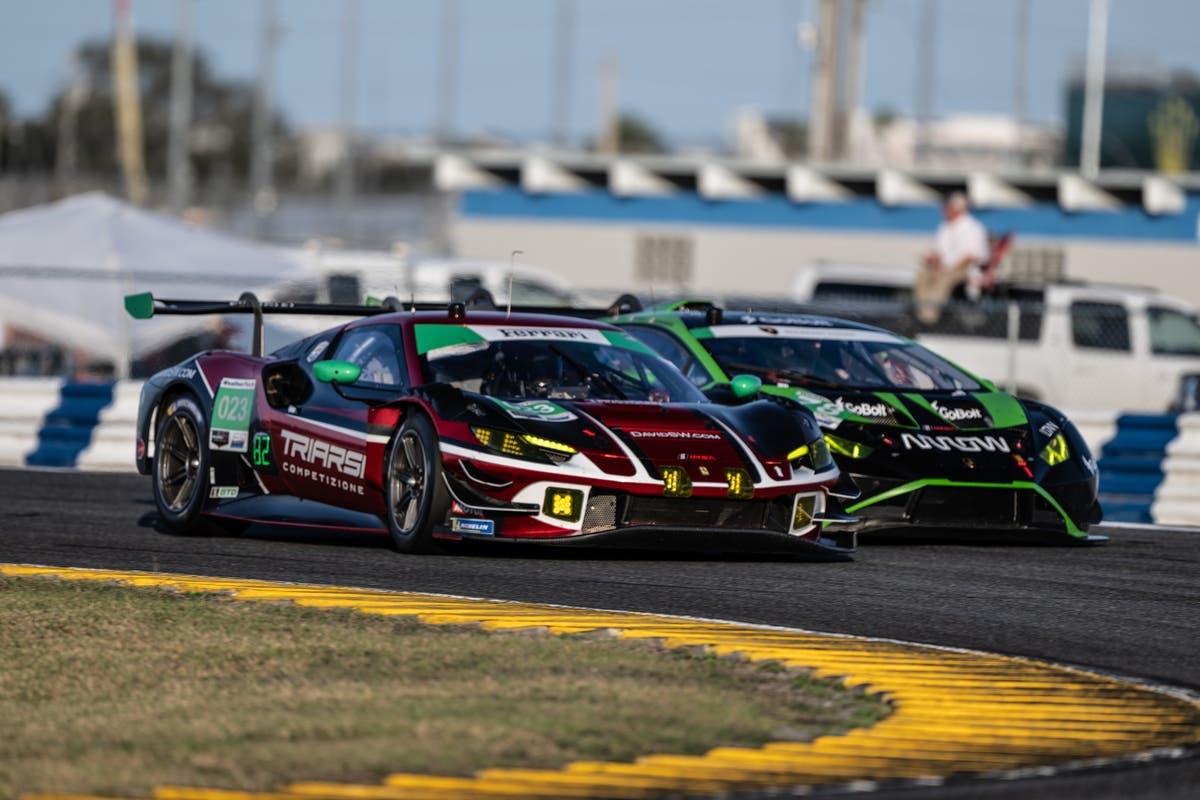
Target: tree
point(885, 116)
point(25, 145)
point(221, 113)
point(636, 135)
point(792, 136)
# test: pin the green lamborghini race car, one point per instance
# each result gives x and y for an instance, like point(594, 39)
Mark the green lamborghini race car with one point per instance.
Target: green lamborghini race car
point(932, 447)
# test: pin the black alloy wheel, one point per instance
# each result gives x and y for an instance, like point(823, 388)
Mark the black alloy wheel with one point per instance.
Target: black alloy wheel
point(180, 466)
point(417, 498)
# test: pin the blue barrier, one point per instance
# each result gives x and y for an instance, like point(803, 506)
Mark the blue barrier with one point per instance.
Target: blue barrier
point(1131, 465)
point(67, 429)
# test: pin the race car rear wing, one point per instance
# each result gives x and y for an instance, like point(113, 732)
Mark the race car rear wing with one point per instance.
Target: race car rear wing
point(625, 304)
point(146, 305)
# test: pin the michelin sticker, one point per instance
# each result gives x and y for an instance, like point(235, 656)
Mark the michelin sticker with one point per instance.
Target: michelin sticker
point(231, 415)
point(482, 527)
point(542, 410)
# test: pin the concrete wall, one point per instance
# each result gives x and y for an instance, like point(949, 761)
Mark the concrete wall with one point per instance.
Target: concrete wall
point(598, 241)
point(603, 255)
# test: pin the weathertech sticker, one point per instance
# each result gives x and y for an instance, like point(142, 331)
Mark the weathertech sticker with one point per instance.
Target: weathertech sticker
point(231, 415)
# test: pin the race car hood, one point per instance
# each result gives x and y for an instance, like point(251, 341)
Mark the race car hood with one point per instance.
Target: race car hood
point(948, 411)
point(671, 436)
point(703, 439)
point(981, 436)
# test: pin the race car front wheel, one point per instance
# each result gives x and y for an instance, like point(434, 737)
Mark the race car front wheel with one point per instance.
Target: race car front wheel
point(416, 496)
point(180, 466)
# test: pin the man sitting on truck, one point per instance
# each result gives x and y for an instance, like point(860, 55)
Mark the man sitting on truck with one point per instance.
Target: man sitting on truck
point(960, 252)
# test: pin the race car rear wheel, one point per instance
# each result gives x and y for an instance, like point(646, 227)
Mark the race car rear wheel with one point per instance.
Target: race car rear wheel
point(416, 496)
point(180, 466)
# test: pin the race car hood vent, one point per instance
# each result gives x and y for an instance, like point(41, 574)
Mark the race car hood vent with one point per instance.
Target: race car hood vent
point(918, 411)
point(663, 435)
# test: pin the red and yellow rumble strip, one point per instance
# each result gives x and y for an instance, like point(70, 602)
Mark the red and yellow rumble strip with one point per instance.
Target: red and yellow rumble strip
point(955, 712)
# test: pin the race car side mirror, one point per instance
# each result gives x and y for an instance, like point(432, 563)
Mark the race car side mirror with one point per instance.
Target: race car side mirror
point(745, 385)
point(336, 371)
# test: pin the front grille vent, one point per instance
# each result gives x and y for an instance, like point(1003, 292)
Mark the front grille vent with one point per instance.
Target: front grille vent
point(601, 513)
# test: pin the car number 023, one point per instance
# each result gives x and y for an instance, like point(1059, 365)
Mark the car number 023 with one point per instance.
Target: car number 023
point(231, 415)
point(233, 408)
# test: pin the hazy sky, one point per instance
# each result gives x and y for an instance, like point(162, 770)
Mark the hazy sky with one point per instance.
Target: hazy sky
point(686, 65)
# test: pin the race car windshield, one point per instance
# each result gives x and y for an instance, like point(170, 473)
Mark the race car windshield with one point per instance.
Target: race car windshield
point(866, 361)
point(570, 370)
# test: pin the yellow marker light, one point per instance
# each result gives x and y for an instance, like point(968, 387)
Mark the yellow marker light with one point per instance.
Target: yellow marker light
point(564, 504)
point(676, 482)
point(549, 444)
point(806, 509)
point(799, 452)
point(815, 454)
point(741, 487)
point(510, 445)
point(484, 436)
point(845, 447)
point(1056, 451)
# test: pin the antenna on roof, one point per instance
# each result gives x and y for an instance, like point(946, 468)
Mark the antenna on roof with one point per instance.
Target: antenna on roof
point(511, 257)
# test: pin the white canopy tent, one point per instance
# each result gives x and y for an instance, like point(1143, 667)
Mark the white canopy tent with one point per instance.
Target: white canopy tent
point(65, 268)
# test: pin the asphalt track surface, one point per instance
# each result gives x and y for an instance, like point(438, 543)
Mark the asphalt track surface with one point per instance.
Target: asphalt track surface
point(1131, 607)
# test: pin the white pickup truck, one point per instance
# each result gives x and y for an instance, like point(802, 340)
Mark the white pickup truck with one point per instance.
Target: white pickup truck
point(1080, 346)
point(1074, 345)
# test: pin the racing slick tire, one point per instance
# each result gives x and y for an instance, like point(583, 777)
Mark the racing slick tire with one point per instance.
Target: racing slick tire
point(416, 496)
point(180, 467)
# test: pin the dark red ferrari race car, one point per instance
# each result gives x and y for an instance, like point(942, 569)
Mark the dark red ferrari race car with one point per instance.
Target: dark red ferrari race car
point(457, 424)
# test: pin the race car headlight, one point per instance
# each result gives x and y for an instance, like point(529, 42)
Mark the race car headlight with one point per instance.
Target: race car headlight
point(564, 504)
point(523, 445)
point(1055, 452)
point(741, 485)
point(814, 455)
point(549, 444)
point(846, 448)
point(676, 482)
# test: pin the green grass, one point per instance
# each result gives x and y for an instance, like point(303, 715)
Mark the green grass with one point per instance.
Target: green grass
point(113, 690)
